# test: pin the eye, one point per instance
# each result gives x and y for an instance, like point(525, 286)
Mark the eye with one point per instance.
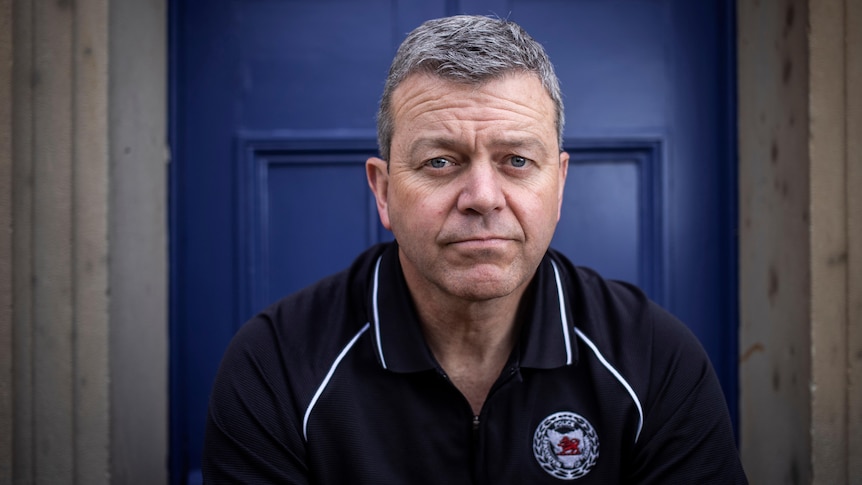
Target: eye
point(439, 163)
point(518, 161)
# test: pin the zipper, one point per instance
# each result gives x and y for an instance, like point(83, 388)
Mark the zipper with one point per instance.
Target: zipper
point(507, 375)
point(475, 455)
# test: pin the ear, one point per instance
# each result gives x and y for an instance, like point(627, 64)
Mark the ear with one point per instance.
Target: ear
point(377, 171)
point(563, 171)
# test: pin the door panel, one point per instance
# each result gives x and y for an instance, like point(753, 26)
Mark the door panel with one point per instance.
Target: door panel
point(273, 106)
point(612, 211)
point(306, 212)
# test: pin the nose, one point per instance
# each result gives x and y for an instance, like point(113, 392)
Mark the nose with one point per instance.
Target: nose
point(482, 189)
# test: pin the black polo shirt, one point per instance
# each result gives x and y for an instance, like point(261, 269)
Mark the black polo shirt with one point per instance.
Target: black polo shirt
point(336, 384)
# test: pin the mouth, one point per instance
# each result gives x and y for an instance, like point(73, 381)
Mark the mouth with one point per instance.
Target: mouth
point(485, 242)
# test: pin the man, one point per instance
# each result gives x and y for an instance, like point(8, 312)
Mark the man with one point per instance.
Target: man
point(467, 351)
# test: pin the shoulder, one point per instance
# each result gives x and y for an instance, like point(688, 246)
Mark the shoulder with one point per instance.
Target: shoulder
point(270, 371)
point(679, 397)
point(303, 332)
point(636, 335)
point(605, 306)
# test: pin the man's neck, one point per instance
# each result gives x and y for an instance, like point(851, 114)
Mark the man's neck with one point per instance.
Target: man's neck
point(475, 330)
point(471, 340)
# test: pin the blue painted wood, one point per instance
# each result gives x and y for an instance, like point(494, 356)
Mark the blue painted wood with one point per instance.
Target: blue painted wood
point(613, 211)
point(202, 216)
point(273, 106)
point(302, 195)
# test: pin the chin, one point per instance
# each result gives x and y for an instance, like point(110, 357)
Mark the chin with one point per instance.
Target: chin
point(482, 289)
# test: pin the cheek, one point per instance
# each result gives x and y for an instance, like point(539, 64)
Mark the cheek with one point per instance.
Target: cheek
point(416, 195)
point(538, 214)
point(414, 208)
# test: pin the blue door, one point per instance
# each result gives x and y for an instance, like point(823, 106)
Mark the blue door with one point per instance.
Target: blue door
point(273, 105)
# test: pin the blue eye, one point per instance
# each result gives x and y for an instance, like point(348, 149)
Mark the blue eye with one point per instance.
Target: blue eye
point(517, 161)
point(438, 163)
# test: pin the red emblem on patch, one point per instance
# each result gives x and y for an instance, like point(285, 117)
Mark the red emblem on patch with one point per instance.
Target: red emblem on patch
point(569, 446)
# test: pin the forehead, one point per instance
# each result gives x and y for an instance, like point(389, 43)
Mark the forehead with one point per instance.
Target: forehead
point(513, 101)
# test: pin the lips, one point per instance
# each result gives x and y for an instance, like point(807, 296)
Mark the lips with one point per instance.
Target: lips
point(475, 235)
point(489, 242)
point(479, 238)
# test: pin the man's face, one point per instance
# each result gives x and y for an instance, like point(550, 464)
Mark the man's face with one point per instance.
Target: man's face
point(474, 184)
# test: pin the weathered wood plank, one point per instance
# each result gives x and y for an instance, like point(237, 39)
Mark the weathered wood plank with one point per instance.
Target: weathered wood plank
point(22, 198)
point(90, 242)
point(53, 314)
point(828, 263)
point(6, 256)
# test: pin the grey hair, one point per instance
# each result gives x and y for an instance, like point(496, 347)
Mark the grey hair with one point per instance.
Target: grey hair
point(466, 49)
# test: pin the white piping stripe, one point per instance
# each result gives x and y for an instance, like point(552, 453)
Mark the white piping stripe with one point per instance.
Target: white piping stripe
point(377, 313)
point(563, 317)
point(619, 378)
point(327, 378)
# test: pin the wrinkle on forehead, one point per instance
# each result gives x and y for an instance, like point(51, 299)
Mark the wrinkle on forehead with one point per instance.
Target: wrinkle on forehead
point(422, 143)
point(497, 105)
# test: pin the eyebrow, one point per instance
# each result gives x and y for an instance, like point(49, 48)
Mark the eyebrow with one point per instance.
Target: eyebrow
point(445, 143)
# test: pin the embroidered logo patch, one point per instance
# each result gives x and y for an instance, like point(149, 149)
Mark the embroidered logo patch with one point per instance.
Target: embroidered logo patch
point(566, 445)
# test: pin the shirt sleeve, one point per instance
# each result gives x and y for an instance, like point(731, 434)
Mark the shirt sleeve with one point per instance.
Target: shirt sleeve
point(687, 436)
point(252, 432)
